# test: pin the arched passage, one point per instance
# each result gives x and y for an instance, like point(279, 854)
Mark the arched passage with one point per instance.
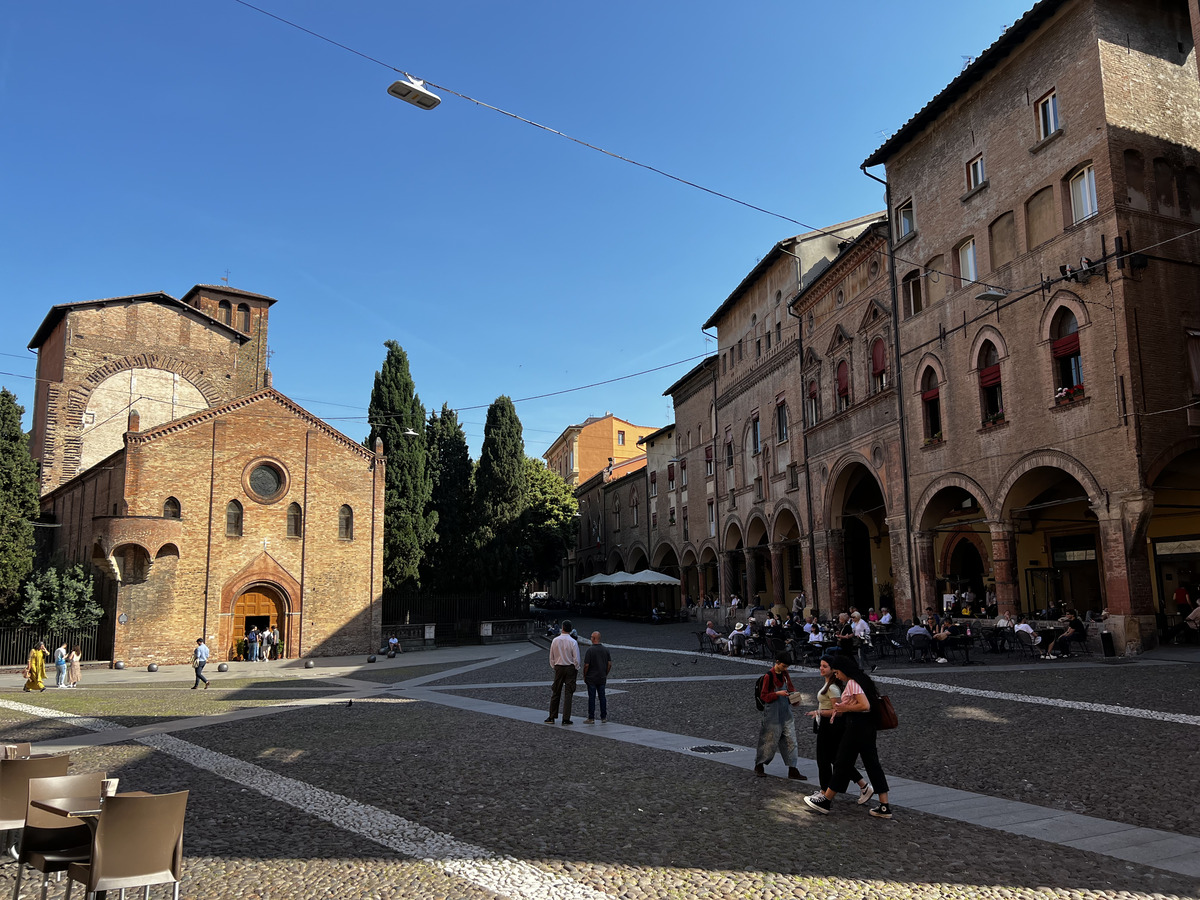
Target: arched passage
point(860, 551)
point(263, 606)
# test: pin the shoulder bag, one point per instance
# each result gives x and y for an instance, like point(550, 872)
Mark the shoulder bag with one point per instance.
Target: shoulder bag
point(885, 714)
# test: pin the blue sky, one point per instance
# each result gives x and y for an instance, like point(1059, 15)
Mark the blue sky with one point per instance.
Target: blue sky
point(153, 146)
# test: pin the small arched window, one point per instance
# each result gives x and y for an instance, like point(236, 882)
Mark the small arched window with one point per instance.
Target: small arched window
point(233, 519)
point(295, 520)
point(813, 403)
point(931, 405)
point(843, 385)
point(879, 379)
point(346, 523)
point(225, 312)
point(171, 509)
point(990, 394)
point(1068, 362)
point(243, 317)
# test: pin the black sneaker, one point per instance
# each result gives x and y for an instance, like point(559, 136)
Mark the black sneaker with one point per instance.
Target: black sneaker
point(759, 770)
point(818, 802)
point(550, 721)
point(882, 811)
point(568, 722)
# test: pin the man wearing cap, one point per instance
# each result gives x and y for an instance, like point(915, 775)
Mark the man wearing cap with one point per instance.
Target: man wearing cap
point(199, 658)
point(564, 659)
point(778, 728)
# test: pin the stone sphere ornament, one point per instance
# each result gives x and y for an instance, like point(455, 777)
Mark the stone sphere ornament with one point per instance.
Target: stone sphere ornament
point(153, 667)
point(371, 658)
point(223, 667)
point(119, 664)
point(391, 654)
point(308, 664)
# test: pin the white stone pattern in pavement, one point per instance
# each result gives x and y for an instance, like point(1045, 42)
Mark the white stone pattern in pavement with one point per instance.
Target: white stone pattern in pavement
point(1131, 711)
point(503, 875)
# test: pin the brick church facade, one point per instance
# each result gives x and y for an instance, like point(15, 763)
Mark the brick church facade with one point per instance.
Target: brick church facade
point(206, 501)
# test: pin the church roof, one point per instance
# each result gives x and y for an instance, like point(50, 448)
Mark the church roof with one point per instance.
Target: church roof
point(56, 313)
point(226, 289)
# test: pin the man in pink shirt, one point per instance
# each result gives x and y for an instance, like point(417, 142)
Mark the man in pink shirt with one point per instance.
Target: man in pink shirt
point(564, 659)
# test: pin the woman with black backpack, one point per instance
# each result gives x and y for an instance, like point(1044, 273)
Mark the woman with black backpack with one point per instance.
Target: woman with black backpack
point(857, 706)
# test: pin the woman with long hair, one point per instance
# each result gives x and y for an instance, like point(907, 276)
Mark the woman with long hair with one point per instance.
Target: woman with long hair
point(35, 668)
point(73, 659)
point(856, 707)
point(830, 730)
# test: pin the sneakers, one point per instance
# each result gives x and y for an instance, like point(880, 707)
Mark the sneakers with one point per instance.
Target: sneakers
point(865, 794)
point(589, 721)
point(818, 802)
point(882, 811)
point(759, 771)
point(794, 774)
point(942, 659)
point(550, 721)
point(604, 721)
point(568, 722)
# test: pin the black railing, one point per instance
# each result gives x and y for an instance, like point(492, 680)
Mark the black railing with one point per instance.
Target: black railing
point(15, 643)
point(457, 616)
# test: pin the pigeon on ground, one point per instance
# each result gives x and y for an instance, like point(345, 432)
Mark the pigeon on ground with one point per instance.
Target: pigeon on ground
point(349, 703)
point(675, 664)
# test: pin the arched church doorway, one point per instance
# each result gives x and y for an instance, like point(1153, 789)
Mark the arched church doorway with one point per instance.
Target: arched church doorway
point(261, 605)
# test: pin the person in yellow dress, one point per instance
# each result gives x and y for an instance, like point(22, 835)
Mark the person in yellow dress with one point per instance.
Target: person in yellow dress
point(35, 670)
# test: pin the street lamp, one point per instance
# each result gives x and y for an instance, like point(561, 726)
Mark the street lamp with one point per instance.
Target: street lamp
point(413, 90)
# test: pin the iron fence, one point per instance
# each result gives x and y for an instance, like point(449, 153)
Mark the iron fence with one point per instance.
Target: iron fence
point(15, 643)
point(457, 616)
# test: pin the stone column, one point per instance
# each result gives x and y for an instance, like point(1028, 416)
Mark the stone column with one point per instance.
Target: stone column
point(777, 574)
point(926, 592)
point(902, 588)
point(1004, 566)
point(748, 553)
point(1126, 569)
point(723, 580)
point(831, 568)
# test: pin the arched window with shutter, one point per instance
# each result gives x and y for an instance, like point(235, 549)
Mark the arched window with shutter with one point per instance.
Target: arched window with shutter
point(991, 398)
point(346, 524)
point(295, 520)
point(243, 318)
point(1068, 362)
point(171, 509)
point(813, 403)
point(225, 312)
point(879, 379)
point(931, 405)
point(843, 386)
point(233, 519)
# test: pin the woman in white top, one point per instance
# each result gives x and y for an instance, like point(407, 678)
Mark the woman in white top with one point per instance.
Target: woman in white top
point(830, 731)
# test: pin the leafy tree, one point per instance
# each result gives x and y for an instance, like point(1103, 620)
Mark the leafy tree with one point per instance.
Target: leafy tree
point(447, 564)
point(60, 598)
point(408, 522)
point(18, 501)
point(500, 487)
point(547, 524)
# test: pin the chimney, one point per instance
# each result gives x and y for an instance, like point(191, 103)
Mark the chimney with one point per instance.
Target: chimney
point(134, 421)
point(266, 378)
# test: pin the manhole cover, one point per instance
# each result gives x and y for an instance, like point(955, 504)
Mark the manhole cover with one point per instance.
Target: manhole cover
point(711, 748)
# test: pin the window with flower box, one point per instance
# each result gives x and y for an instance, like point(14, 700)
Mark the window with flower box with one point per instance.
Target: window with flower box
point(991, 398)
point(931, 406)
point(1068, 361)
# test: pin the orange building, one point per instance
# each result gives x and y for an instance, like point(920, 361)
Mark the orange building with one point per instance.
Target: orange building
point(583, 450)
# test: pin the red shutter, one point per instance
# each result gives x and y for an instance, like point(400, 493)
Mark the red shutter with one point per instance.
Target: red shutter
point(682, 464)
point(653, 477)
point(1065, 346)
point(843, 378)
point(670, 471)
point(812, 389)
point(930, 395)
point(878, 359)
point(989, 377)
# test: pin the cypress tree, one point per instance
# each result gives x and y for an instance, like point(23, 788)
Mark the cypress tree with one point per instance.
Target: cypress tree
point(18, 501)
point(447, 562)
point(500, 488)
point(408, 522)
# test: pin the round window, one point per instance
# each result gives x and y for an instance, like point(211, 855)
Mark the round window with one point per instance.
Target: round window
point(266, 481)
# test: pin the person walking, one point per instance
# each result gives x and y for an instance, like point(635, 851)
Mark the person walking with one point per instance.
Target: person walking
point(830, 731)
point(60, 666)
point(564, 659)
point(777, 729)
point(35, 668)
point(199, 660)
point(597, 663)
point(859, 697)
point(73, 659)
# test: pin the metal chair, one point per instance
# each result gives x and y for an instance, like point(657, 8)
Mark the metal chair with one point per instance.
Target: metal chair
point(51, 843)
point(14, 789)
point(920, 645)
point(1025, 644)
point(138, 842)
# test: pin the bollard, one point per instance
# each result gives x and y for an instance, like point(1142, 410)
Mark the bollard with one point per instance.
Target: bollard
point(308, 664)
point(119, 664)
point(223, 667)
point(391, 654)
point(371, 658)
point(1106, 641)
point(153, 667)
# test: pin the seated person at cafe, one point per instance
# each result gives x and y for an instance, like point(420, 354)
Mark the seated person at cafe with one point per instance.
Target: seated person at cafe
point(885, 616)
point(1005, 620)
point(919, 628)
point(948, 632)
point(736, 643)
point(861, 628)
point(1076, 631)
point(845, 633)
point(1023, 625)
point(719, 642)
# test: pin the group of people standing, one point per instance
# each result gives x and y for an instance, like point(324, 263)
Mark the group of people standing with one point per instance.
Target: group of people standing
point(564, 660)
point(66, 667)
point(263, 645)
point(845, 725)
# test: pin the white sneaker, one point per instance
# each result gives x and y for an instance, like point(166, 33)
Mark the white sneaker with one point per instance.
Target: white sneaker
point(865, 794)
point(942, 659)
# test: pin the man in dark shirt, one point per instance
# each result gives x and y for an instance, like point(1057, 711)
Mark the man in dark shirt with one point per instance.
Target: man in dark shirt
point(1076, 631)
point(597, 663)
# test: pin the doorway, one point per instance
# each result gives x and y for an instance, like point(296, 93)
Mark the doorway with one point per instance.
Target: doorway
point(263, 606)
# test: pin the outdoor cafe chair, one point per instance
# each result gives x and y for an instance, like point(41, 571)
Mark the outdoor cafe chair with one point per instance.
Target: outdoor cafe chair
point(1025, 644)
point(50, 843)
point(14, 788)
point(138, 842)
point(17, 751)
point(920, 646)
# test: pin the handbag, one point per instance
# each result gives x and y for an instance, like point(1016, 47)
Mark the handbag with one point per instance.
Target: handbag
point(196, 662)
point(885, 714)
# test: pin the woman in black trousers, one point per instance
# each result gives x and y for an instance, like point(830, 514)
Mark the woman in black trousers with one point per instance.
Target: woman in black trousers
point(859, 696)
point(830, 731)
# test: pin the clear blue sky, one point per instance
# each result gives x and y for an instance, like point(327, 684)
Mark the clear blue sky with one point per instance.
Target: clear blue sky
point(154, 145)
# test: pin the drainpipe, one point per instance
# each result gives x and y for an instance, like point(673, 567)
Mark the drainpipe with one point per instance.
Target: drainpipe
point(899, 387)
point(812, 543)
point(716, 425)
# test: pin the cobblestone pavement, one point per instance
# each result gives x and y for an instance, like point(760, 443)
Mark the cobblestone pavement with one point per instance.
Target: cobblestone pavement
point(393, 797)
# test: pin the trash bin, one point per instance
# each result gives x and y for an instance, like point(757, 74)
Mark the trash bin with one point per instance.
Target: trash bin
point(1106, 641)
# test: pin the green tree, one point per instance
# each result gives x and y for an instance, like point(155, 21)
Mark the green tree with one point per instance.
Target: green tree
point(60, 598)
point(548, 522)
point(500, 486)
point(18, 501)
point(408, 522)
point(447, 565)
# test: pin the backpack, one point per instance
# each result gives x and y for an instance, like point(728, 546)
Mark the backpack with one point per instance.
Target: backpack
point(758, 687)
